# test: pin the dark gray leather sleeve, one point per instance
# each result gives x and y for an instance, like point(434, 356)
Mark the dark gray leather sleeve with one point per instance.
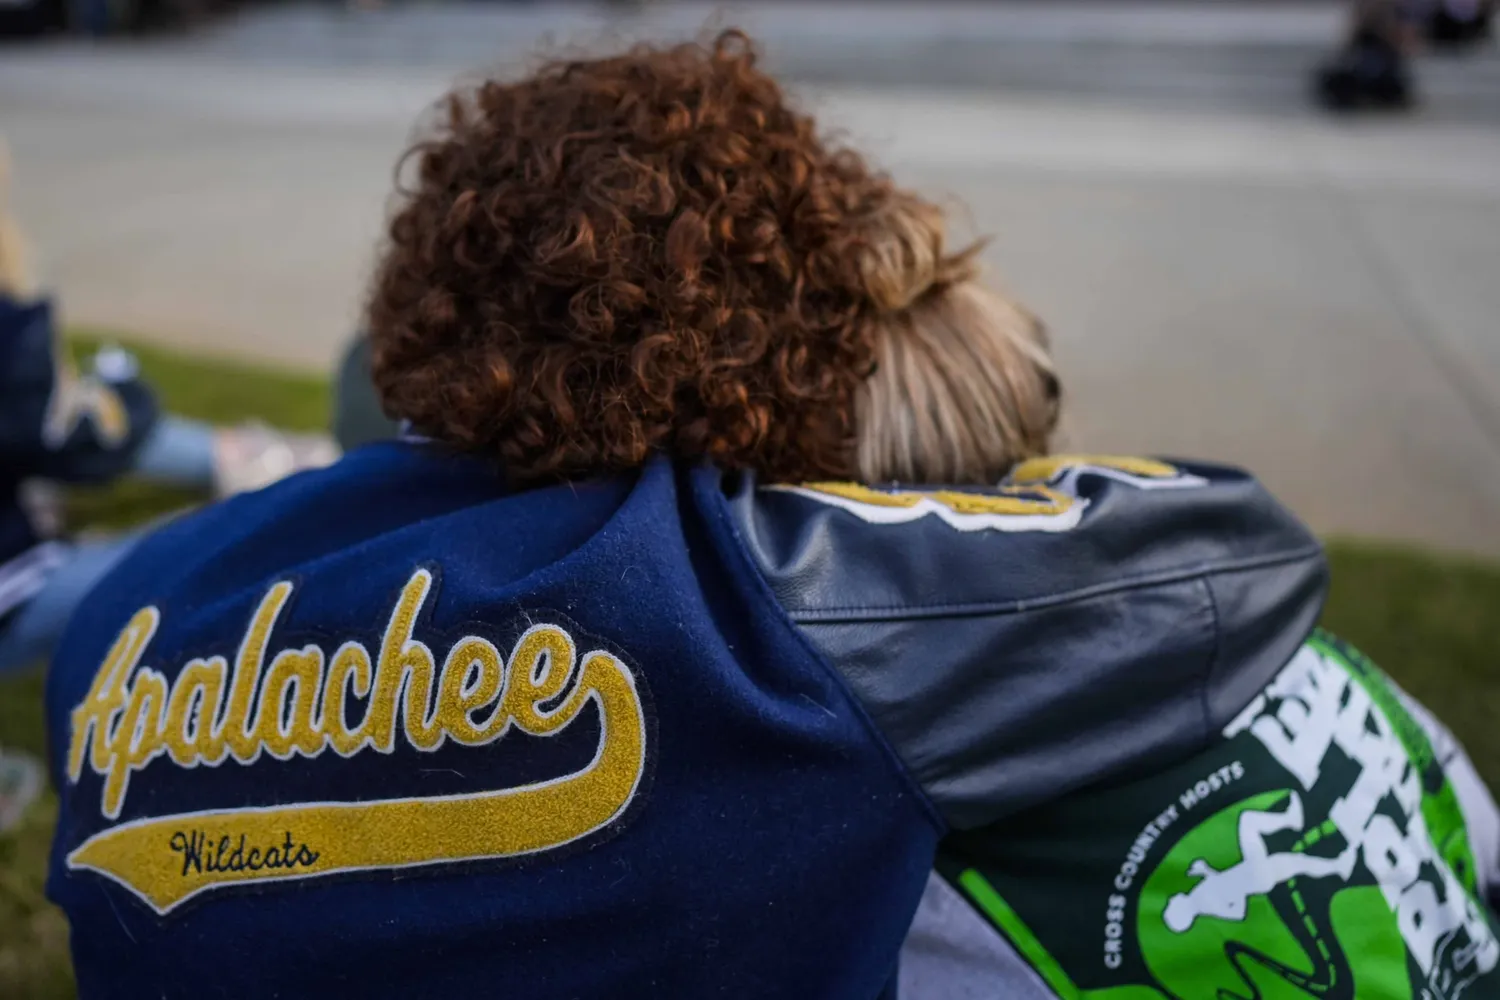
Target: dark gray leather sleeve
point(1009, 664)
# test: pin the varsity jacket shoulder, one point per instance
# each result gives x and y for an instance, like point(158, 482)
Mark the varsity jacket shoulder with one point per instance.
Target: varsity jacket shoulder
point(1087, 618)
point(414, 735)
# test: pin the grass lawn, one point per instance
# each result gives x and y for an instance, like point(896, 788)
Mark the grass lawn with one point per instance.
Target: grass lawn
point(1434, 622)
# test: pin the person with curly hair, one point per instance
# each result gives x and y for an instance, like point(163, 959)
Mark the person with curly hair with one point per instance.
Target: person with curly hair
point(720, 626)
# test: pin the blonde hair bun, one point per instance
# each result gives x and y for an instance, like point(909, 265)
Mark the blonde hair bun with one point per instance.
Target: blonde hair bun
point(904, 256)
point(964, 386)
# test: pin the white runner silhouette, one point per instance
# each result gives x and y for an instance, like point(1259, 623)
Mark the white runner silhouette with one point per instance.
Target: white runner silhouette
point(1225, 894)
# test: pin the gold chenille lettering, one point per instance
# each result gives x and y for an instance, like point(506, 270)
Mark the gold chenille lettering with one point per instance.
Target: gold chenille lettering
point(189, 728)
point(137, 738)
point(152, 857)
point(1003, 500)
point(283, 728)
point(865, 494)
point(107, 695)
point(594, 663)
point(404, 663)
point(540, 666)
point(1006, 500)
point(351, 664)
point(1041, 470)
point(458, 699)
point(297, 700)
point(237, 730)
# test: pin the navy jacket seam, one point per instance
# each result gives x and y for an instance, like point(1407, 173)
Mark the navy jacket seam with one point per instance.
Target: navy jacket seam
point(897, 762)
point(855, 614)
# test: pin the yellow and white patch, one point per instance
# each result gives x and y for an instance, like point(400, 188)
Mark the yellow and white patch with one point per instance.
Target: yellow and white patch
point(1039, 495)
point(209, 715)
point(76, 401)
point(1011, 508)
point(1062, 472)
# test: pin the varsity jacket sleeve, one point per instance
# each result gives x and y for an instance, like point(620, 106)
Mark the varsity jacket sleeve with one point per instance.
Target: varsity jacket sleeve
point(1089, 618)
point(56, 423)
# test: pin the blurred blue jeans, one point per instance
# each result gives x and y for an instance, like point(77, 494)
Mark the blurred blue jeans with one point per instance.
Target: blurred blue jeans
point(178, 451)
point(29, 637)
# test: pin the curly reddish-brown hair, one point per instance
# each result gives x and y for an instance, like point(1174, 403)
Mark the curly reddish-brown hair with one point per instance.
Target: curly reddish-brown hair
point(646, 253)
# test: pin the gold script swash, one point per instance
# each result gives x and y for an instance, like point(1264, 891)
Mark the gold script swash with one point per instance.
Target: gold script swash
point(131, 716)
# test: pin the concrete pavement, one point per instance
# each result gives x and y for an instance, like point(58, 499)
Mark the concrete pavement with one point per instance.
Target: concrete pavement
point(1228, 275)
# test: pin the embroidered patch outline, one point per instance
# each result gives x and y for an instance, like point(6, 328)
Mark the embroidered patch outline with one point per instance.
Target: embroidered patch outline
point(1062, 472)
point(131, 716)
point(1013, 508)
point(1038, 495)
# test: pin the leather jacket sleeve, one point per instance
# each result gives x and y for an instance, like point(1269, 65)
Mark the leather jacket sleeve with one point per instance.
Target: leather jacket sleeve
point(1087, 618)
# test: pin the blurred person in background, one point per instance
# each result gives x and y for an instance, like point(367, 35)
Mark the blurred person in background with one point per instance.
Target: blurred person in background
point(61, 426)
point(358, 418)
point(1373, 69)
point(99, 18)
point(723, 627)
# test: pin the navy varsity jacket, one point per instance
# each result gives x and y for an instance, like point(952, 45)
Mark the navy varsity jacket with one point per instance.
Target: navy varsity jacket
point(388, 730)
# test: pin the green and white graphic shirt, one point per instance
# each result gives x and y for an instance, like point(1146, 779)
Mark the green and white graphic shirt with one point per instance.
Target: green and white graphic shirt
point(1334, 842)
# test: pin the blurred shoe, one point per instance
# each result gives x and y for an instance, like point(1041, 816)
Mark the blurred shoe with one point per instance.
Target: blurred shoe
point(253, 456)
point(1370, 73)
